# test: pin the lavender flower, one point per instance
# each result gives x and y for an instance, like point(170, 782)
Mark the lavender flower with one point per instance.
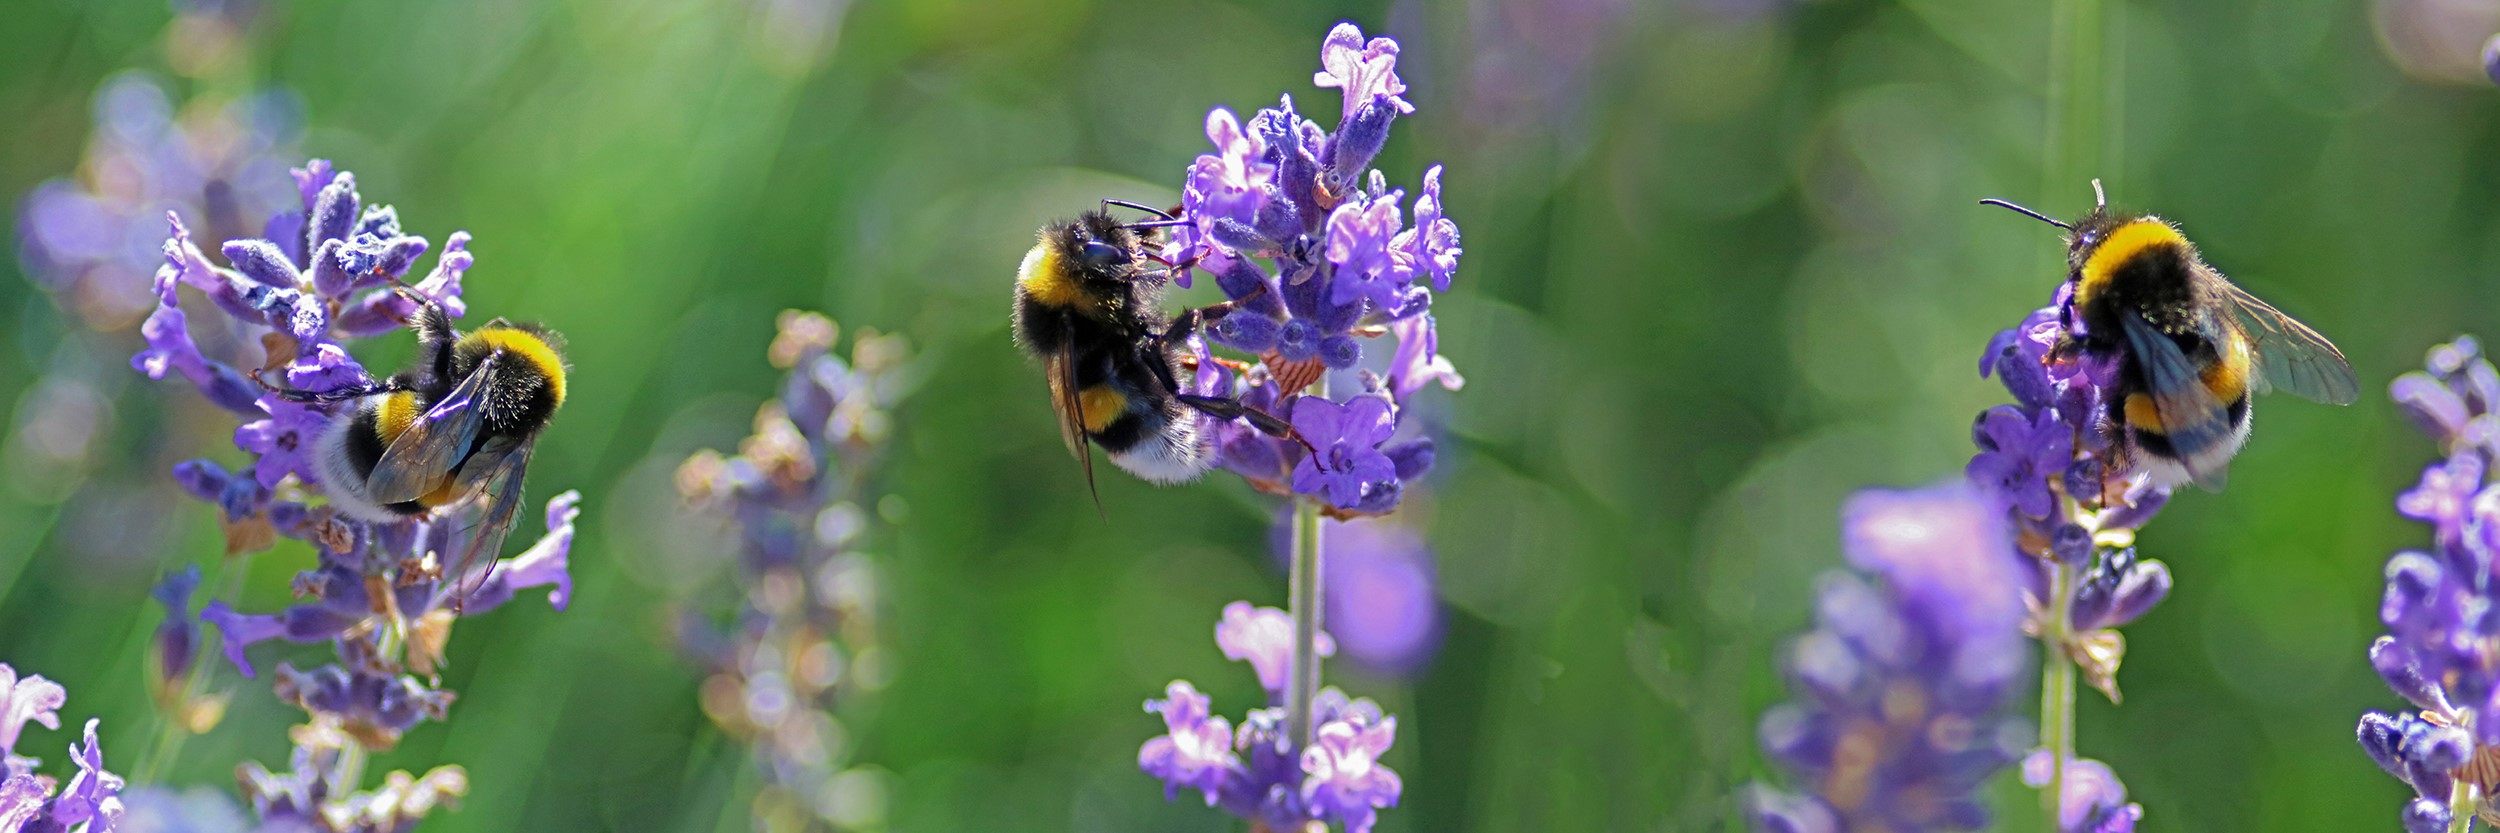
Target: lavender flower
point(309, 795)
point(2436, 653)
point(1905, 679)
point(2074, 506)
point(90, 801)
point(1250, 769)
point(381, 595)
point(2094, 802)
point(803, 640)
point(176, 652)
point(88, 241)
point(1340, 267)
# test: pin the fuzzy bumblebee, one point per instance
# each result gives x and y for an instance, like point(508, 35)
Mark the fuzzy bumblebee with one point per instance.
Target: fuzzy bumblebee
point(458, 425)
point(2191, 348)
point(1089, 308)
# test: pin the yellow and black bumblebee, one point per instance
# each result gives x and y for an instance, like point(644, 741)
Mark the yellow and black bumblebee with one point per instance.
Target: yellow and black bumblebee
point(457, 426)
point(1089, 307)
point(2190, 346)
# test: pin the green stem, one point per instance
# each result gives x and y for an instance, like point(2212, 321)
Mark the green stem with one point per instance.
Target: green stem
point(1305, 602)
point(2057, 691)
point(2078, 99)
point(2461, 801)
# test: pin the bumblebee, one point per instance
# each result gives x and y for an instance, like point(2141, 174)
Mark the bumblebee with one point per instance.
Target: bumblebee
point(2191, 347)
point(1089, 309)
point(457, 426)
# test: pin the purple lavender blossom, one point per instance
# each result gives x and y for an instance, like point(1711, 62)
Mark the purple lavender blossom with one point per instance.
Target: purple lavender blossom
point(177, 640)
point(1341, 266)
point(803, 638)
point(2095, 801)
point(382, 595)
point(1263, 637)
point(1350, 471)
point(2438, 599)
point(1196, 750)
point(2049, 460)
point(1904, 682)
point(91, 797)
point(1250, 769)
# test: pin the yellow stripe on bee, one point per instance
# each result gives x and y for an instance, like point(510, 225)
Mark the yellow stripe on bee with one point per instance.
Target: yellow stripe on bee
point(2228, 379)
point(530, 348)
point(1100, 405)
point(398, 411)
point(2123, 245)
point(1046, 278)
point(2143, 415)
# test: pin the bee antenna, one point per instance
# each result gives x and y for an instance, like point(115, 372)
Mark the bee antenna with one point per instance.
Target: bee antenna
point(2027, 213)
point(1155, 224)
point(1107, 202)
point(2100, 198)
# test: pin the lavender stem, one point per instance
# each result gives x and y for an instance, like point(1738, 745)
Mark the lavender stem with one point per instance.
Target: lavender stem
point(1304, 599)
point(2057, 693)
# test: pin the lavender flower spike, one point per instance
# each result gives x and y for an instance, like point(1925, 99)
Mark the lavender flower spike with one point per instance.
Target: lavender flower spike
point(1248, 768)
point(383, 596)
point(1904, 682)
point(1313, 246)
point(2437, 601)
point(89, 801)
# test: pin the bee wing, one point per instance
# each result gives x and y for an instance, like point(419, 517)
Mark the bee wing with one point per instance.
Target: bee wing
point(1063, 399)
point(422, 456)
point(2289, 354)
point(2189, 415)
point(500, 480)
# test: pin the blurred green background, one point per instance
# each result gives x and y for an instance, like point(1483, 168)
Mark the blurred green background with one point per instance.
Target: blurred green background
point(1723, 267)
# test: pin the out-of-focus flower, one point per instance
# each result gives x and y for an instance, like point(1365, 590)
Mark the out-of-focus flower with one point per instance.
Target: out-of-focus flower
point(1341, 267)
point(2438, 652)
point(2095, 802)
point(1904, 682)
point(1382, 604)
point(89, 801)
point(89, 240)
point(384, 596)
point(176, 649)
point(1250, 769)
point(803, 640)
point(314, 795)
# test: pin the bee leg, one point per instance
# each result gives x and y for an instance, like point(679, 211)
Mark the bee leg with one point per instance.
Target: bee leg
point(1266, 423)
point(435, 335)
point(390, 385)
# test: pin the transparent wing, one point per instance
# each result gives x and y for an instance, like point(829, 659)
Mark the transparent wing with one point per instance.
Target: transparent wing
point(423, 455)
point(2289, 354)
point(501, 494)
point(2190, 416)
point(1063, 399)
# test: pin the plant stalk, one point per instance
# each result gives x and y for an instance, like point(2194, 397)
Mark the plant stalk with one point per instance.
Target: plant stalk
point(1305, 600)
point(2461, 801)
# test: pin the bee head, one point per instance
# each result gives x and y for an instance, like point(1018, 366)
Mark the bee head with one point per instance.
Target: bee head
point(1099, 247)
